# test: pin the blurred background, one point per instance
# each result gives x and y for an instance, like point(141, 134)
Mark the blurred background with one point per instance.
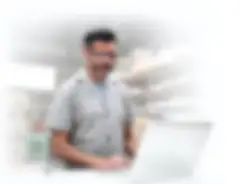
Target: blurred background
point(155, 61)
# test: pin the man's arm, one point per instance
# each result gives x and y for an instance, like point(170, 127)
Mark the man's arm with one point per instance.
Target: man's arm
point(130, 140)
point(129, 133)
point(60, 122)
point(62, 149)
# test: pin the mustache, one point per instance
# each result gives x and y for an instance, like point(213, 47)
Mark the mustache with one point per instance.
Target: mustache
point(102, 67)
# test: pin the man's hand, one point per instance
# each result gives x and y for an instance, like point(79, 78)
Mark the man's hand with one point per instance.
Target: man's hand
point(112, 163)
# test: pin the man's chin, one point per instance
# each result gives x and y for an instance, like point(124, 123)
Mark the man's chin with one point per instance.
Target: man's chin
point(101, 77)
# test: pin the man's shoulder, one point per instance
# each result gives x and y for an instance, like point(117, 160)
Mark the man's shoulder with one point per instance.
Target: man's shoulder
point(70, 85)
point(119, 85)
point(114, 81)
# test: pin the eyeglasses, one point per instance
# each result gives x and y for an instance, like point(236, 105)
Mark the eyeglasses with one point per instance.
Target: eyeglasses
point(110, 55)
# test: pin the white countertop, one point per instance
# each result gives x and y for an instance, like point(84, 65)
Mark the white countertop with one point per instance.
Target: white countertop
point(35, 173)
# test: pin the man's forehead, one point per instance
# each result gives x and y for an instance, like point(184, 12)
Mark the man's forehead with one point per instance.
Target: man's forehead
point(102, 46)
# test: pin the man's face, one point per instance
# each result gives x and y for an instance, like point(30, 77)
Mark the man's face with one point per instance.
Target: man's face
point(101, 58)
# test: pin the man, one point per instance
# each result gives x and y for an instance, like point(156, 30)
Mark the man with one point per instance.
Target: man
point(91, 116)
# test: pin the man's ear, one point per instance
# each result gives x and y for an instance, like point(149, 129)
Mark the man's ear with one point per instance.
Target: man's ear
point(85, 53)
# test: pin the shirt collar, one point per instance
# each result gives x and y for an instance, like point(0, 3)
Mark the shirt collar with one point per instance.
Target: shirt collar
point(83, 76)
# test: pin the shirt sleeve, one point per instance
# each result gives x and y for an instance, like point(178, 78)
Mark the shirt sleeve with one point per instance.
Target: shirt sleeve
point(59, 114)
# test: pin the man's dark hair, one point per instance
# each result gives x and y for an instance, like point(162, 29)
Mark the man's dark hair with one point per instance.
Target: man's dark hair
point(105, 35)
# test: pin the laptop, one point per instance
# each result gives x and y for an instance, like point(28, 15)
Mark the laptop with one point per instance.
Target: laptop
point(169, 151)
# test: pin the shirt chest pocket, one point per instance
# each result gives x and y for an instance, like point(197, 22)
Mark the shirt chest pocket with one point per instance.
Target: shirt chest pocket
point(117, 108)
point(91, 109)
point(94, 109)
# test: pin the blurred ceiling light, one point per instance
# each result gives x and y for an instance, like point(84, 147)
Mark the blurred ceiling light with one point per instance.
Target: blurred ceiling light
point(30, 76)
point(40, 48)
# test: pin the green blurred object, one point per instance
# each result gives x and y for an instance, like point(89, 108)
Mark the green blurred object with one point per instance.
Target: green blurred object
point(37, 145)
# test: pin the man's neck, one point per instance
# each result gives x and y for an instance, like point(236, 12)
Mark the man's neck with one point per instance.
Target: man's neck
point(92, 77)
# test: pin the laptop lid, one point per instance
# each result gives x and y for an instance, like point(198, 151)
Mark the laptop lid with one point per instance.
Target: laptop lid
point(169, 151)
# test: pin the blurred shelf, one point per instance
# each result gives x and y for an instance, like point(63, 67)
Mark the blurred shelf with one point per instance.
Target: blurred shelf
point(175, 103)
point(164, 91)
point(180, 122)
point(182, 119)
point(159, 70)
point(168, 89)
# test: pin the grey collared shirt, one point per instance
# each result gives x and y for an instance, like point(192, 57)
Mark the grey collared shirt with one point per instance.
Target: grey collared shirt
point(93, 115)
